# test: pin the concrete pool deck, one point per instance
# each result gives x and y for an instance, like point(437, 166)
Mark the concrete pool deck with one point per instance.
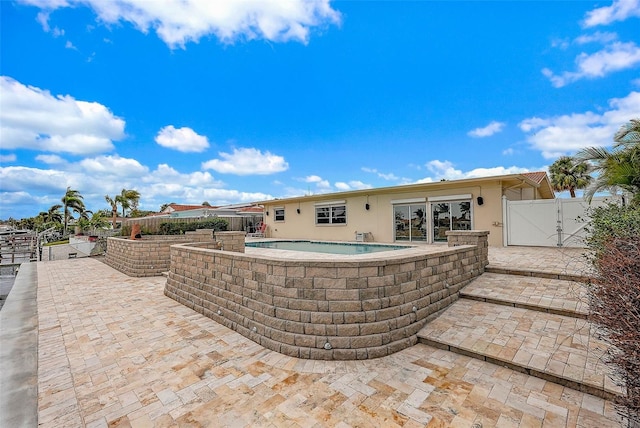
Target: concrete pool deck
point(114, 351)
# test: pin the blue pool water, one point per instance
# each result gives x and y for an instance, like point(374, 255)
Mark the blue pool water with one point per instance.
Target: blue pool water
point(346, 248)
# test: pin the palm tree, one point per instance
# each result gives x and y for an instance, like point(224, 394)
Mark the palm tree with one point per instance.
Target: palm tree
point(128, 199)
point(72, 200)
point(569, 174)
point(114, 209)
point(53, 215)
point(98, 220)
point(618, 168)
point(165, 206)
point(628, 136)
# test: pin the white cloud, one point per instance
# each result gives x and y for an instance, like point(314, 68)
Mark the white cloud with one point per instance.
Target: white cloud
point(560, 43)
point(489, 130)
point(445, 169)
point(312, 179)
point(113, 166)
point(22, 178)
point(620, 10)
point(508, 152)
point(615, 57)
point(390, 176)
point(108, 175)
point(50, 159)
point(32, 118)
point(182, 139)
point(318, 181)
point(247, 161)
point(597, 37)
point(8, 158)
point(178, 22)
point(70, 45)
point(566, 134)
point(352, 185)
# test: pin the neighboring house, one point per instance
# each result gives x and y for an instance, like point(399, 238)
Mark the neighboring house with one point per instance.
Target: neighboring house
point(409, 213)
point(187, 211)
point(240, 216)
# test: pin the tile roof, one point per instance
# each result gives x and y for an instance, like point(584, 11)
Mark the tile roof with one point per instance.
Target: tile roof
point(535, 176)
point(179, 207)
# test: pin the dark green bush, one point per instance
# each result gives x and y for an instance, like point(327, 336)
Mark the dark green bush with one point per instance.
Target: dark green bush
point(179, 228)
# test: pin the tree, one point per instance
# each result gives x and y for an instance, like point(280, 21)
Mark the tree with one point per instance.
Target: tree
point(165, 206)
point(618, 168)
point(113, 202)
point(53, 215)
point(97, 220)
point(72, 201)
point(127, 199)
point(569, 174)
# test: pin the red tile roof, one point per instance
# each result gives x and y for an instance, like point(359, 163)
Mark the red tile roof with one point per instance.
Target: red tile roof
point(536, 176)
point(179, 207)
point(252, 209)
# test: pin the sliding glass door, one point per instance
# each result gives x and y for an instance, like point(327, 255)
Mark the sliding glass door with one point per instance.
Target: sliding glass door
point(410, 222)
point(455, 215)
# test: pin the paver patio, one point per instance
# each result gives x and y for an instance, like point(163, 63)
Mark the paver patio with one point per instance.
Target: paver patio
point(115, 352)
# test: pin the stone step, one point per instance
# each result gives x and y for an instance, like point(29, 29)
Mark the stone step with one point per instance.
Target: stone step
point(555, 296)
point(525, 271)
point(552, 347)
point(544, 262)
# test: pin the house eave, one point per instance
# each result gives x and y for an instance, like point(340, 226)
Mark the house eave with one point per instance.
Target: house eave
point(506, 180)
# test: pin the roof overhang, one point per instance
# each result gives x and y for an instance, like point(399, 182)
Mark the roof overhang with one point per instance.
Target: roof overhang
point(510, 180)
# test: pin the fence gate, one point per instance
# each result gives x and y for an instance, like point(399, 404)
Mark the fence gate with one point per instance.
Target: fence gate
point(547, 222)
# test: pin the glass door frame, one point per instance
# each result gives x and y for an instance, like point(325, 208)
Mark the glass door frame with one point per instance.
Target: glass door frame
point(459, 199)
point(417, 227)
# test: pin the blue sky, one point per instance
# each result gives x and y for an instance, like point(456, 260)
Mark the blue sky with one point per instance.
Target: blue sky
point(230, 102)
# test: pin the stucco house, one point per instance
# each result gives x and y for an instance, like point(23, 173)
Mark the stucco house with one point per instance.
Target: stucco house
point(408, 213)
point(250, 212)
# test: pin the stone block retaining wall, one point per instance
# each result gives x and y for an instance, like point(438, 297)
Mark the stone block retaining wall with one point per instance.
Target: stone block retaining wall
point(149, 256)
point(332, 310)
point(478, 238)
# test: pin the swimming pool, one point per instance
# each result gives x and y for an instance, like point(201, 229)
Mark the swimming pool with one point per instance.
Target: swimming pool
point(344, 248)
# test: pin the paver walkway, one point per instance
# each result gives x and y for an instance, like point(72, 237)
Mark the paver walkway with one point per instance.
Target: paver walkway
point(115, 352)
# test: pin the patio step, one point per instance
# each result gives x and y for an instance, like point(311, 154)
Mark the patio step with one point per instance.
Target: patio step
point(553, 347)
point(524, 271)
point(554, 296)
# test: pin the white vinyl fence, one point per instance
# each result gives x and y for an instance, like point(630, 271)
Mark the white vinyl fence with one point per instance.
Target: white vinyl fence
point(548, 222)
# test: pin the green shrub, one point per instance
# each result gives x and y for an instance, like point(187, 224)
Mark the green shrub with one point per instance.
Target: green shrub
point(611, 221)
point(179, 228)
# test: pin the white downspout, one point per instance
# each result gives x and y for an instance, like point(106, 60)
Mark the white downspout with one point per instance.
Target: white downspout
point(505, 223)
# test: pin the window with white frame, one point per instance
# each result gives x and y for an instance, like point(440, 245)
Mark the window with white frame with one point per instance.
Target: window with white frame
point(278, 214)
point(331, 213)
